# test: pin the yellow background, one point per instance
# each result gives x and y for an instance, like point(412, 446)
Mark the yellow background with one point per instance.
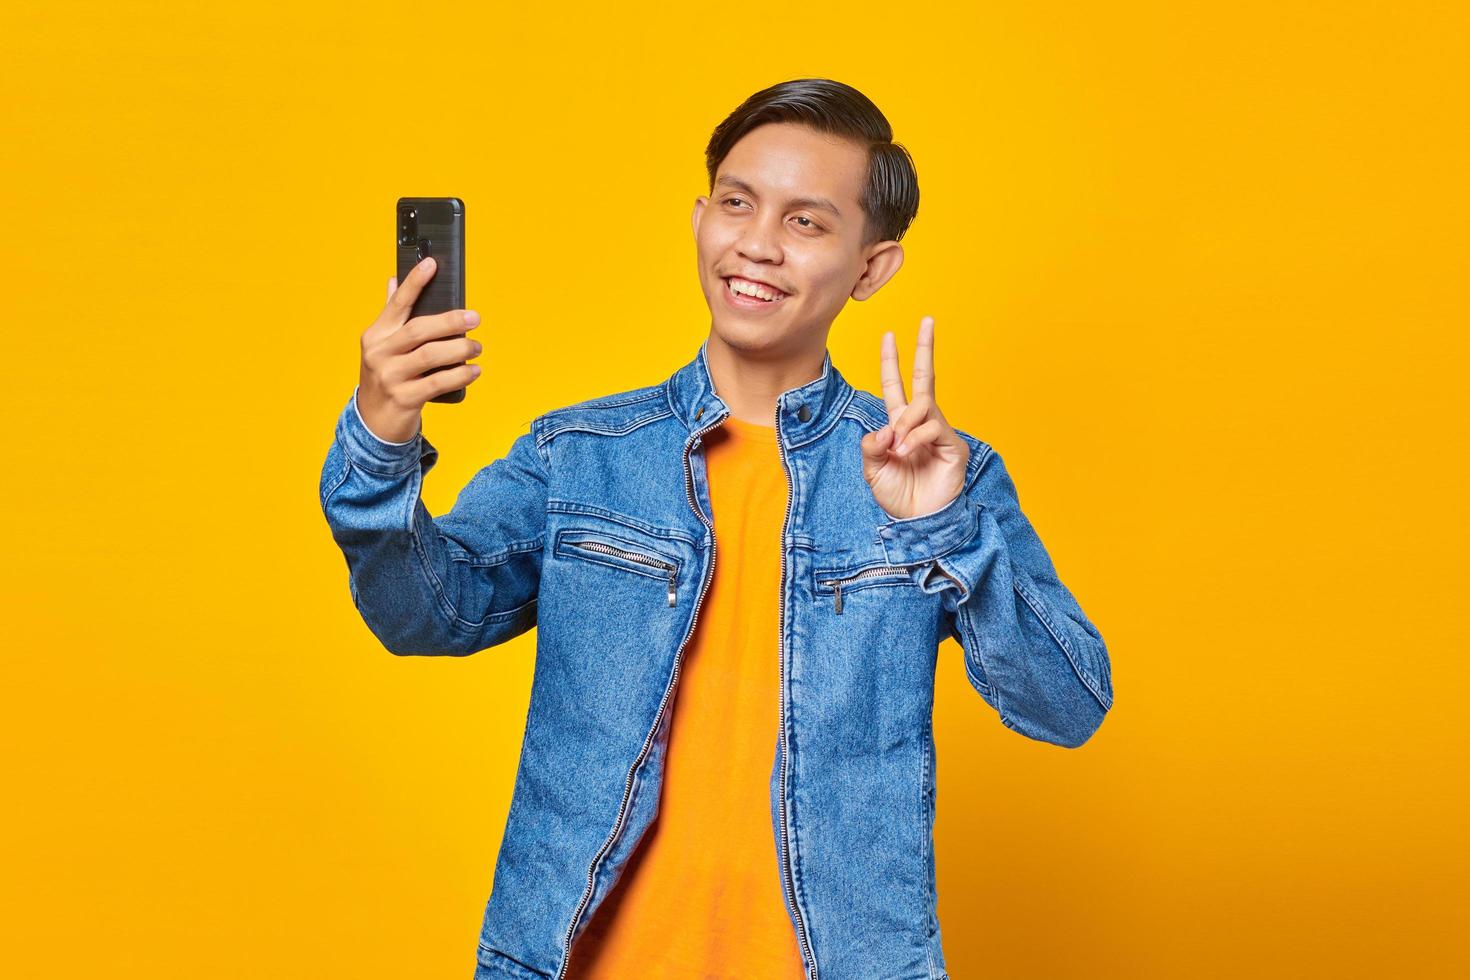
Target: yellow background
point(1198, 272)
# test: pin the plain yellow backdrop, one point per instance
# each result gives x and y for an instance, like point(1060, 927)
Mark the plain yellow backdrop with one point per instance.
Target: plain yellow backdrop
point(1198, 272)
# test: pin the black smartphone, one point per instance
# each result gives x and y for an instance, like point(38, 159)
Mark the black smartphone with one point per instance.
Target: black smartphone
point(434, 226)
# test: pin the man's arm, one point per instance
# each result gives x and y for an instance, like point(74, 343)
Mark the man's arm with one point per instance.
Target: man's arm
point(1030, 651)
point(454, 584)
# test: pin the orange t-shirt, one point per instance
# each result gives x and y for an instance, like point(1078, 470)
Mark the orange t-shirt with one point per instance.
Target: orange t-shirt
point(701, 895)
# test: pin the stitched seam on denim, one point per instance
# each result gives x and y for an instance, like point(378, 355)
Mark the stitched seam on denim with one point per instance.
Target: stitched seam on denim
point(953, 578)
point(510, 959)
point(337, 483)
point(539, 440)
point(668, 390)
point(427, 569)
point(454, 619)
point(859, 410)
point(508, 614)
point(837, 412)
point(557, 505)
point(972, 649)
point(573, 425)
point(362, 456)
point(369, 465)
point(1061, 642)
point(924, 837)
point(426, 572)
point(977, 465)
point(493, 618)
point(496, 557)
point(932, 555)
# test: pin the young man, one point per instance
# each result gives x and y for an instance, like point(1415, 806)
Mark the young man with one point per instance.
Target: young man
point(728, 765)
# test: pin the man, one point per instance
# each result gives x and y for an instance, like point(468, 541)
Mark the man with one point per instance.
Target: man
point(740, 576)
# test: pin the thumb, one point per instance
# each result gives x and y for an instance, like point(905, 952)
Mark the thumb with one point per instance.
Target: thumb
point(875, 444)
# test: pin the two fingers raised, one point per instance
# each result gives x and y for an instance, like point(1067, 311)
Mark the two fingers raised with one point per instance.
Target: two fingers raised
point(904, 415)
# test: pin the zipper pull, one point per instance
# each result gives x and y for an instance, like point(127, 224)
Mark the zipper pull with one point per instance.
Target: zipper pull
point(838, 589)
point(671, 586)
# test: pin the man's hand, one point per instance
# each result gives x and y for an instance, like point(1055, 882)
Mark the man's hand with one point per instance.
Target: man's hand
point(397, 351)
point(916, 463)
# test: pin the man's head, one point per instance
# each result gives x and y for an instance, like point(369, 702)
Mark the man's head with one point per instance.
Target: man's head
point(810, 194)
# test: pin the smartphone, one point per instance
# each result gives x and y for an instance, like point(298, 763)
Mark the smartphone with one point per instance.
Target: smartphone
point(434, 226)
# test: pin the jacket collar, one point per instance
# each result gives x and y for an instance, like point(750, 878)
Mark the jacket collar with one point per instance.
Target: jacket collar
point(807, 411)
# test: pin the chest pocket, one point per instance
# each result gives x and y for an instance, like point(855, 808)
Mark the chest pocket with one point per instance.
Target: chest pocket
point(835, 583)
point(626, 549)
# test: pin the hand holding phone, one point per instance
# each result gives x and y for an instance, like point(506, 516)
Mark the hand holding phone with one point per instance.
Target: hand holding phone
point(410, 360)
point(433, 226)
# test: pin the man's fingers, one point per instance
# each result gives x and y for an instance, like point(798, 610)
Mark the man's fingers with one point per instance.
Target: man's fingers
point(392, 285)
point(892, 380)
point(875, 447)
point(875, 444)
point(914, 413)
point(924, 359)
point(400, 304)
point(437, 326)
point(931, 431)
point(435, 383)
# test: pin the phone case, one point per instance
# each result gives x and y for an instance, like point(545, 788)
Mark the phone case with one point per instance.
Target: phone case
point(439, 232)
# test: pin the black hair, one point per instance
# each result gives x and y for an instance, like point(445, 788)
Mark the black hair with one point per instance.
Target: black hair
point(890, 198)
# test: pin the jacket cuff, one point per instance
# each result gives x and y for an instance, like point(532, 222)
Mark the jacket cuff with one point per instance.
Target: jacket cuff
point(366, 449)
point(916, 540)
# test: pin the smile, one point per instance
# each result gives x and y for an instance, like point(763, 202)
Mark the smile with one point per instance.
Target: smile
point(747, 291)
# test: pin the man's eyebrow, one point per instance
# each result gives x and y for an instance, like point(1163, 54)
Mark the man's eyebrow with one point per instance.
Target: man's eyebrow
point(821, 203)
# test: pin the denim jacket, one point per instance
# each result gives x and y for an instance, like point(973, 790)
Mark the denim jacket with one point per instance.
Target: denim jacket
point(596, 528)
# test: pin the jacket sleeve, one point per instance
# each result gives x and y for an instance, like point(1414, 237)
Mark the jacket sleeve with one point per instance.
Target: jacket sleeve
point(454, 584)
point(1030, 651)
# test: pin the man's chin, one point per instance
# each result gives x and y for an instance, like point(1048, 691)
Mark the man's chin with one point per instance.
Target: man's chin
point(752, 337)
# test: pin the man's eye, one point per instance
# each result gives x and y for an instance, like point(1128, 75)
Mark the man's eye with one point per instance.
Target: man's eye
point(801, 217)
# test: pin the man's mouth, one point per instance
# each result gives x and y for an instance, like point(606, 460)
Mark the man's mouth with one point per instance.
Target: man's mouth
point(745, 288)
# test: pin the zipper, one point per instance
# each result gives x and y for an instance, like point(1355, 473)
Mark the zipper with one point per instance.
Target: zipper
point(882, 571)
point(639, 557)
point(806, 947)
point(566, 944)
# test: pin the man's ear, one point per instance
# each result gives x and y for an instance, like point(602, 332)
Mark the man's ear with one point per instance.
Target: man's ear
point(699, 206)
point(884, 260)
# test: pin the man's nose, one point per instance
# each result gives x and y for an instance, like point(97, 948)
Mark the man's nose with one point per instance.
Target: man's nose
point(762, 239)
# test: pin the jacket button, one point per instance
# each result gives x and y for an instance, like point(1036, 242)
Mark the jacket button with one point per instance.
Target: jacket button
point(804, 413)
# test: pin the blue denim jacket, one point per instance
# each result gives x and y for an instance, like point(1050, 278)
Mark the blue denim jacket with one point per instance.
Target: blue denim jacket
point(596, 528)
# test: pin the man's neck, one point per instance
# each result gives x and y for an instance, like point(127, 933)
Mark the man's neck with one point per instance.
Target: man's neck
point(751, 385)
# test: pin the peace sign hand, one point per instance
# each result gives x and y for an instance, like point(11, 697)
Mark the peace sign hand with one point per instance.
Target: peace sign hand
point(915, 465)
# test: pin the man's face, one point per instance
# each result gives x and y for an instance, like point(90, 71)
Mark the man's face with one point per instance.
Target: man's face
point(768, 219)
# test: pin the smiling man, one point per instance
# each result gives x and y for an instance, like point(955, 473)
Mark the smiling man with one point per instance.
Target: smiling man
point(740, 577)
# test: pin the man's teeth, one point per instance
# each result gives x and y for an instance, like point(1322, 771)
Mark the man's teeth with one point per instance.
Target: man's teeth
point(740, 286)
